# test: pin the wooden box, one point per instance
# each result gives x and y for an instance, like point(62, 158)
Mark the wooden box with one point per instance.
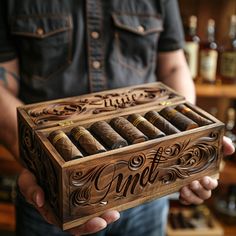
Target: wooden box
point(119, 178)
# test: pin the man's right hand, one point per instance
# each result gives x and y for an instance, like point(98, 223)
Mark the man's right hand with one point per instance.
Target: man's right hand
point(34, 194)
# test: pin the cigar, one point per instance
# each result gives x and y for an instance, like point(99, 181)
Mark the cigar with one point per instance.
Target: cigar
point(145, 127)
point(86, 140)
point(161, 123)
point(201, 121)
point(64, 145)
point(108, 135)
point(127, 130)
point(179, 120)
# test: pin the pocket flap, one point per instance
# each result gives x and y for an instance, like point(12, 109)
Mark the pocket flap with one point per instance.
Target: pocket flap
point(139, 24)
point(40, 26)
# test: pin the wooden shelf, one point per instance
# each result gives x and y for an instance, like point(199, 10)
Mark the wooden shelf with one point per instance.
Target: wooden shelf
point(227, 174)
point(7, 217)
point(229, 230)
point(219, 91)
point(9, 166)
point(217, 96)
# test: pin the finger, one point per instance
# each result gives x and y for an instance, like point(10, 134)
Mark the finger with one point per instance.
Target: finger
point(111, 216)
point(188, 196)
point(32, 192)
point(209, 183)
point(183, 201)
point(97, 223)
point(47, 213)
point(199, 190)
point(228, 147)
point(92, 226)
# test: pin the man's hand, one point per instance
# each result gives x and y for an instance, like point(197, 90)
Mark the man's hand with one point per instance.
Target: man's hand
point(35, 195)
point(198, 191)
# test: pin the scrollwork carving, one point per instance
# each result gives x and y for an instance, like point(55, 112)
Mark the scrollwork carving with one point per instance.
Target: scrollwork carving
point(40, 165)
point(155, 167)
point(192, 157)
point(136, 161)
point(98, 104)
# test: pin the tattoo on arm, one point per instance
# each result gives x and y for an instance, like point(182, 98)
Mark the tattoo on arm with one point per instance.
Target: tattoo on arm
point(3, 76)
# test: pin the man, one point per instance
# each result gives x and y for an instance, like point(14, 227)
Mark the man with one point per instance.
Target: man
point(52, 49)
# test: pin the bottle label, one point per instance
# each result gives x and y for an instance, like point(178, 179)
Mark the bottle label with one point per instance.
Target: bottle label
point(228, 64)
point(208, 64)
point(191, 54)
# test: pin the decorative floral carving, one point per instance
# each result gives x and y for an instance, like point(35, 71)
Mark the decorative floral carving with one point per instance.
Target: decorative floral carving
point(40, 165)
point(160, 166)
point(97, 104)
point(192, 157)
point(136, 161)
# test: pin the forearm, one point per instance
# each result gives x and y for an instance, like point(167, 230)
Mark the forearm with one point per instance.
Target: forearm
point(8, 121)
point(173, 71)
point(8, 104)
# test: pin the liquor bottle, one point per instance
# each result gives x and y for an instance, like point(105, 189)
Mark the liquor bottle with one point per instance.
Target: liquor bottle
point(228, 55)
point(230, 130)
point(230, 124)
point(192, 46)
point(209, 55)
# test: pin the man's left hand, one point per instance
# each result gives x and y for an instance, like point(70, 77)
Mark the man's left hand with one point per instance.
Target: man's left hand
point(200, 190)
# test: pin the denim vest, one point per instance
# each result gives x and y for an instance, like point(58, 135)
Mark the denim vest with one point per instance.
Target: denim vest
point(72, 47)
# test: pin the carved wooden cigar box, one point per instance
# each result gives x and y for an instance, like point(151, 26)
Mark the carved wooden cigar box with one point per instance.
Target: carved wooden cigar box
point(116, 149)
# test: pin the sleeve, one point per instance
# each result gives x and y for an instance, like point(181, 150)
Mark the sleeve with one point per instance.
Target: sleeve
point(172, 37)
point(7, 49)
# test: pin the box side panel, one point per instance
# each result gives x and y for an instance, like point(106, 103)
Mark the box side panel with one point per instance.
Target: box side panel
point(129, 178)
point(40, 163)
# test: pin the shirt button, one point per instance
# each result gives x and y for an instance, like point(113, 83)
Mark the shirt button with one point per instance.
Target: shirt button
point(140, 29)
point(40, 31)
point(95, 35)
point(96, 64)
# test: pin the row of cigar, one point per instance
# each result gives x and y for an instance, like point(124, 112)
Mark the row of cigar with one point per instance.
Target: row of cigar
point(120, 132)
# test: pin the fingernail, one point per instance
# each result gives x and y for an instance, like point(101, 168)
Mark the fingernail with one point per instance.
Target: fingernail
point(37, 200)
point(195, 186)
point(207, 181)
point(117, 216)
point(34, 198)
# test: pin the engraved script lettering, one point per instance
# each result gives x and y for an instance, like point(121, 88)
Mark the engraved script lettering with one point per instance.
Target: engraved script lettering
point(97, 104)
point(122, 185)
point(142, 171)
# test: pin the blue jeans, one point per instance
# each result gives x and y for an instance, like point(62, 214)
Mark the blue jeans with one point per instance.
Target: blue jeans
point(146, 220)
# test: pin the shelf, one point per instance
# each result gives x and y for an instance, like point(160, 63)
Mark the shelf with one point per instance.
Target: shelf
point(229, 230)
point(219, 96)
point(7, 217)
point(219, 91)
point(9, 166)
point(227, 174)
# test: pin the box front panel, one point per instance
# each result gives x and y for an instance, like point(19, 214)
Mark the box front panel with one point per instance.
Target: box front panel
point(149, 170)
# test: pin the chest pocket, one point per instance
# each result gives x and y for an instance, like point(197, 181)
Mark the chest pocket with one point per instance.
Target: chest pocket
point(44, 43)
point(136, 40)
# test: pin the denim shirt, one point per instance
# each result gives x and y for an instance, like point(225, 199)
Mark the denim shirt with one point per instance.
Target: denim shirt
point(71, 47)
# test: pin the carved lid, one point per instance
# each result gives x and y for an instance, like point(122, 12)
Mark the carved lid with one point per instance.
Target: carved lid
point(94, 106)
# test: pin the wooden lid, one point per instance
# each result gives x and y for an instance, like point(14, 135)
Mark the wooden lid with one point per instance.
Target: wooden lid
point(94, 106)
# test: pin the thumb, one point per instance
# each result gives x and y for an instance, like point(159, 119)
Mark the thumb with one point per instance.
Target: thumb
point(29, 188)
